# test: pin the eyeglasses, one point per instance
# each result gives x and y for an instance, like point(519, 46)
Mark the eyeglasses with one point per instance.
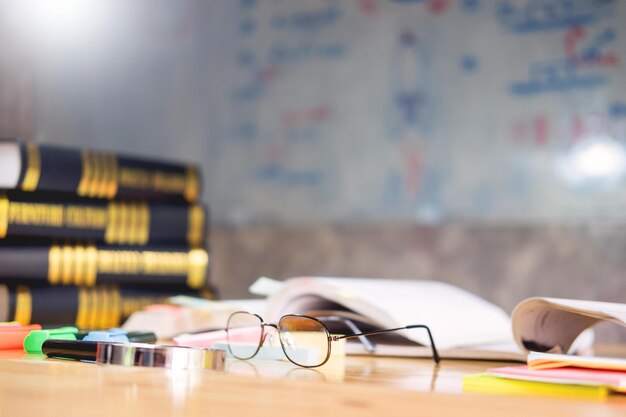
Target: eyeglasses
point(305, 340)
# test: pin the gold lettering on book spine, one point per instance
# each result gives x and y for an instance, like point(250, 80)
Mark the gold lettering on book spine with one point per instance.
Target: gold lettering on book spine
point(115, 315)
point(54, 265)
point(132, 230)
point(103, 313)
point(109, 186)
point(140, 263)
point(98, 173)
point(112, 230)
point(196, 225)
point(198, 264)
point(112, 262)
point(128, 223)
point(192, 184)
point(141, 226)
point(165, 263)
point(35, 214)
point(33, 168)
point(78, 265)
point(91, 266)
point(82, 311)
point(79, 270)
point(23, 305)
point(94, 309)
point(72, 265)
point(54, 215)
point(169, 182)
point(143, 235)
point(67, 265)
point(137, 179)
point(123, 223)
point(185, 184)
point(4, 215)
point(101, 179)
point(99, 308)
point(85, 174)
point(85, 217)
point(84, 185)
point(99, 176)
point(113, 166)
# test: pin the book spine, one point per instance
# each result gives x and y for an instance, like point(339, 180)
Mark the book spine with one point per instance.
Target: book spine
point(88, 266)
point(111, 222)
point(91, 308)
point(105, 175)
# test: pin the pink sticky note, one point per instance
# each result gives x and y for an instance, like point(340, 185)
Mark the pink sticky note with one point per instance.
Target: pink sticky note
point(615, 380)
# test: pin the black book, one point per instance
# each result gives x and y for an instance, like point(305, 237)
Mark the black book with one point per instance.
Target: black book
point(115, 222)
point(89, 265)
point(33, 167)
point(91, 308)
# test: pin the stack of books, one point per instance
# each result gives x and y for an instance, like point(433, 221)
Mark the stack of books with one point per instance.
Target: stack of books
point(89, 237)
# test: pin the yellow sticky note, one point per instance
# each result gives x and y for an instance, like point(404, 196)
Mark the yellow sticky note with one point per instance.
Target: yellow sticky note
point(488, 384)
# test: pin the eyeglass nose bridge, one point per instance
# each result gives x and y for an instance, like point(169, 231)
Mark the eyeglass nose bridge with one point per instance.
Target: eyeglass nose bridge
point(265, 334)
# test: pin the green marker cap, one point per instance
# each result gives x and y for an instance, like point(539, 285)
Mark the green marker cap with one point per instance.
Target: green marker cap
point(34, 340)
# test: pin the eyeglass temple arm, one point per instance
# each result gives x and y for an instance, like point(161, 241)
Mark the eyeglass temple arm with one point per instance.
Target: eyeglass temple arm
point(436, 356)
point(367, 344)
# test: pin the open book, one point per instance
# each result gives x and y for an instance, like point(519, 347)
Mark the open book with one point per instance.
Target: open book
point(463, 325)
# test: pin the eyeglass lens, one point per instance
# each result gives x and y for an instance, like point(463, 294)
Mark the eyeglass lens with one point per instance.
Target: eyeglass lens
point(244, 333)
point(304, 340)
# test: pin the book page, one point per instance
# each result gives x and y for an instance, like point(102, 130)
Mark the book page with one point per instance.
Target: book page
point(456, 317)
point(552, 324)
point(10, 164)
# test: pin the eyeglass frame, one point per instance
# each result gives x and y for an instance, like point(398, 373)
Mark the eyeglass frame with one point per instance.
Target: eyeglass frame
point(329, 336)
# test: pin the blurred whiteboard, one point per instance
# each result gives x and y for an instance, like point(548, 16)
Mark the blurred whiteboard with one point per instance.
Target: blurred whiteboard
point(421, 110)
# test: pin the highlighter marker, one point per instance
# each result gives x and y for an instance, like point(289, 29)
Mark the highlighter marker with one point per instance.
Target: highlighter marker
point(12, 336)
point(70, 349)
point(34, 340)
point(136, 354)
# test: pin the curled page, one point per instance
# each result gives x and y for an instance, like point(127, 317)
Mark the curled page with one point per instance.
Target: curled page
point(554, 324)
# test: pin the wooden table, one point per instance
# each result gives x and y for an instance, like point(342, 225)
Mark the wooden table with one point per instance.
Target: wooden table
point(363, 386)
